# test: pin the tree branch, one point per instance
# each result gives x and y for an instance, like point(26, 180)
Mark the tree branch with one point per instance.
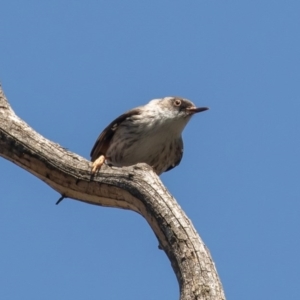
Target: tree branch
point(135, 188)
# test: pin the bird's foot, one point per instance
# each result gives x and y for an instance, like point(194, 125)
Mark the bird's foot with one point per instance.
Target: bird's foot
point(98, 163)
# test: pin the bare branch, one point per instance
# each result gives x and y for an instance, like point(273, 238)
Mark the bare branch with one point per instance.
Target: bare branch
point(135, 188)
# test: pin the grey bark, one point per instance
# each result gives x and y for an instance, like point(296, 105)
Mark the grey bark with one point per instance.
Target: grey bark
point(135, 188)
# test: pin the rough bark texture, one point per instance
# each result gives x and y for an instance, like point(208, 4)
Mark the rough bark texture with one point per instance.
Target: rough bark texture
point(136, 188)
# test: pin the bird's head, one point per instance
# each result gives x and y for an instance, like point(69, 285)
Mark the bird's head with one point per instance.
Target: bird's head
point(176, 107)
point(172, 113)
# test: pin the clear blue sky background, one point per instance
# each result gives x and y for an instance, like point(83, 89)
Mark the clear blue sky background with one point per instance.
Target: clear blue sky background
point(69, 67)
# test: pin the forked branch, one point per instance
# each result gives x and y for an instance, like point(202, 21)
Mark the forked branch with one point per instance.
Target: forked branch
point(136, 188)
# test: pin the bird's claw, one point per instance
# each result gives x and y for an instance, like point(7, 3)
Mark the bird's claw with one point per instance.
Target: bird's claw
point(98, 163)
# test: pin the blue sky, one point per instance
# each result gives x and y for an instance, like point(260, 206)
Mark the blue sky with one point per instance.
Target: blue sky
point(69, 67)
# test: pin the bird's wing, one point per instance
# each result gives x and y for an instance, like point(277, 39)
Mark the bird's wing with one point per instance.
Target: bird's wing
point(179, 154)
point(103, 141)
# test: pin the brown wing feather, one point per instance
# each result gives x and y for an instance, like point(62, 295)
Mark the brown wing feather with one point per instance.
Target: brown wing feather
point(103, 141)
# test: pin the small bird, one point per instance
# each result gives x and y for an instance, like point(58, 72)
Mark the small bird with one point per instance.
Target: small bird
point(146, 134)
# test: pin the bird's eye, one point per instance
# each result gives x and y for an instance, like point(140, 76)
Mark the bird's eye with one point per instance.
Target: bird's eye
point(177, 102)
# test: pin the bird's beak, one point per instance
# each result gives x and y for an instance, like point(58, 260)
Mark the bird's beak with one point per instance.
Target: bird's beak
point(194, 110)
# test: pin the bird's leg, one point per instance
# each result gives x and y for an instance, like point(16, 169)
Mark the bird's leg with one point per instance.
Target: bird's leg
point(98, 163)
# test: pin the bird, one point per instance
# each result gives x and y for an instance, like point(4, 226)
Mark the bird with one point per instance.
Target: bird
point(150, 134)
